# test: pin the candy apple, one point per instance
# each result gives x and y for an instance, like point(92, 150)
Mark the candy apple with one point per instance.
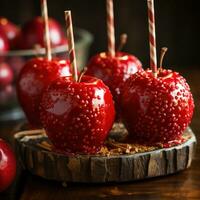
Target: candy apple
point(156, 109)
point(77, 116)
point(6, 74)
point(32, 34)
point(34, 77)
point(114, 71)
point(11, 30)
point(7, 165)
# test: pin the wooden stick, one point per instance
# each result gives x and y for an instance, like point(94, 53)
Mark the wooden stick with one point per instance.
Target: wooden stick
point(46, 25)
point(70, 36)
point(152, 37)
point(30, 132)
point(110, 27)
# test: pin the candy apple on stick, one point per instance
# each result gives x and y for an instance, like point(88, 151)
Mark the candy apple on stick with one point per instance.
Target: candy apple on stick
point(157, 104)
point(77, 113)
point(36, 75)
point(113, 67)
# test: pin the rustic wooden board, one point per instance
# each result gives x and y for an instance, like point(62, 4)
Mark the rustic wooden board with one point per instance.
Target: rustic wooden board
point(99, 168)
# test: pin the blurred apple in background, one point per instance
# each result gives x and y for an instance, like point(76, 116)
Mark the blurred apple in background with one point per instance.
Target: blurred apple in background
point(32, 33)
point(6, 74)
point(7, 94)
point(4, 45)
point(17, 62)
point(10, 30)
point(8, 35)
point(7, 90)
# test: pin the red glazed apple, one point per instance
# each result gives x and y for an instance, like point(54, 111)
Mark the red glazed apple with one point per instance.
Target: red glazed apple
point(6, 74)
point(32, 33)
point(77, 116)
point(34, 77)
point(114, 70)
point(156, 109)
point(10, 30)
point(7, 165)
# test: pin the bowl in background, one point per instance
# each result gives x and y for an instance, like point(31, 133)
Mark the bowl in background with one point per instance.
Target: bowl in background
point(9, 107)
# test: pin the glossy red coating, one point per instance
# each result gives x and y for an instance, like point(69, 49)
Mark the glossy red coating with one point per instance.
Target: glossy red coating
point(77, 116)
point(32, 33)
point(34, 77)
point(7, 165)
point(6, 74)
point(10, 30)
point(114, 71)
point(156, 110)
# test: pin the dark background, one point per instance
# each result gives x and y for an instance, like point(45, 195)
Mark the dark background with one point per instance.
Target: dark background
point(177, 24)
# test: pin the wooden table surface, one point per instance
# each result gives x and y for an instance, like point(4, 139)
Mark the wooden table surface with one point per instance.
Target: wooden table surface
point(184, 185)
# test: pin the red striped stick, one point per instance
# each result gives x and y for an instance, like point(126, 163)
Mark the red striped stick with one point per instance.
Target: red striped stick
point(110, 27)
point(46, 26)
point(152, 37)
point(70, 36)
